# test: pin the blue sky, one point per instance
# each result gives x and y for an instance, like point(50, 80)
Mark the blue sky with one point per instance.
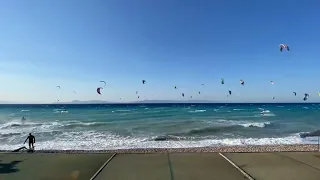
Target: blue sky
point(77, 43)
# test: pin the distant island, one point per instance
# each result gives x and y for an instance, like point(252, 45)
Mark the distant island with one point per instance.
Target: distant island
point(135, 102)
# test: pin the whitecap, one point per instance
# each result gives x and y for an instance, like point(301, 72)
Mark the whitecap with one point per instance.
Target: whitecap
point(198, 111)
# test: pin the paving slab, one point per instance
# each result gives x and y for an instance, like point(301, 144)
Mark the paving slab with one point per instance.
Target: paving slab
point(203, 166)
point(309, 158)
point(56, 166)
point(136, 167)
point(270, 166)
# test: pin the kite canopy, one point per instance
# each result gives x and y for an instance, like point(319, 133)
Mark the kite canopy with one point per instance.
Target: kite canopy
point(99, 90)
point(284, 46)
point(242, 82)
point(144, 81)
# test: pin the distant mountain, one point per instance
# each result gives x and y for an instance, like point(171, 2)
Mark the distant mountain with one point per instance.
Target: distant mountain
point(8, 102)
point(83, 102)
point(175, 101)
point(135, 102)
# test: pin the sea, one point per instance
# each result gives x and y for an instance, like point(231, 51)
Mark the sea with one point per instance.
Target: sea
point(123, 126)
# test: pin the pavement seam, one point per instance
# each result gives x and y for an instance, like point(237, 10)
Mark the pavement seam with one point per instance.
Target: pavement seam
point(237, 167)
point(170, 167)
point(297, 161)
point(102, 167)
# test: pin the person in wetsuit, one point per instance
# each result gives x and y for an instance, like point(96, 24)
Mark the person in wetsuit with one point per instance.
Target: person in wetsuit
point(32, 140)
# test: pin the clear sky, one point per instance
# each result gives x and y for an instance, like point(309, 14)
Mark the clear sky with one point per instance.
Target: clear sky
point(77, 43)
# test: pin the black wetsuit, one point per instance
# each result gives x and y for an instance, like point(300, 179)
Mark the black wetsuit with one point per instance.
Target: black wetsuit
point(32, 140)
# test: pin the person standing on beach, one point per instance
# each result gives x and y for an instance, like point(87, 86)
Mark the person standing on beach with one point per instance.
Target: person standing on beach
point(32, 140)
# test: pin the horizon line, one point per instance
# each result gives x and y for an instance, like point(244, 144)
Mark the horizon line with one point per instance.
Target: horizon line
point(107, 103)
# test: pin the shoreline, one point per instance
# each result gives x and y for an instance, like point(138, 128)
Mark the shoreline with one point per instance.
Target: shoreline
point(222, 149)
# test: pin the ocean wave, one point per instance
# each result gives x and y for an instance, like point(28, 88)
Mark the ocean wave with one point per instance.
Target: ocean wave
point(49, 125)
point(256, 124)
point(18, 124)
point(245, 123)
point(107, 141)
point(238, 109)
point(213, 130)
point(121, 110)
point(60, 111)
point(198, 111)
point(169, 138)
point(25, 110)
point(310, 134)
point(265, 111)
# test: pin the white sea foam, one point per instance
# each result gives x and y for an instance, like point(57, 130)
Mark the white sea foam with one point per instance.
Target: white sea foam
point(244, 123)
point(101, 141)
point(198, 111)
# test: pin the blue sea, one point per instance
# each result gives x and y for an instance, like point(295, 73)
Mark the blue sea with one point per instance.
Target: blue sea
point(118, 126)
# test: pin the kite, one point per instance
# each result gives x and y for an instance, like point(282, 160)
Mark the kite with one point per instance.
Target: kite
point(242, 82)
point(99, 90)
point(295, 94)
point(182, 94)
point(144, 81)
point(222, 81)
point(104, 83)
point(58, 87)
point(230, 92)
point(284, 46)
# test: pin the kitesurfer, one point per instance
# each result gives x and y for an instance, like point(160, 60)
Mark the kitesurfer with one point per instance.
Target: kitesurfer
point(32, 140)
point(23, 119)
